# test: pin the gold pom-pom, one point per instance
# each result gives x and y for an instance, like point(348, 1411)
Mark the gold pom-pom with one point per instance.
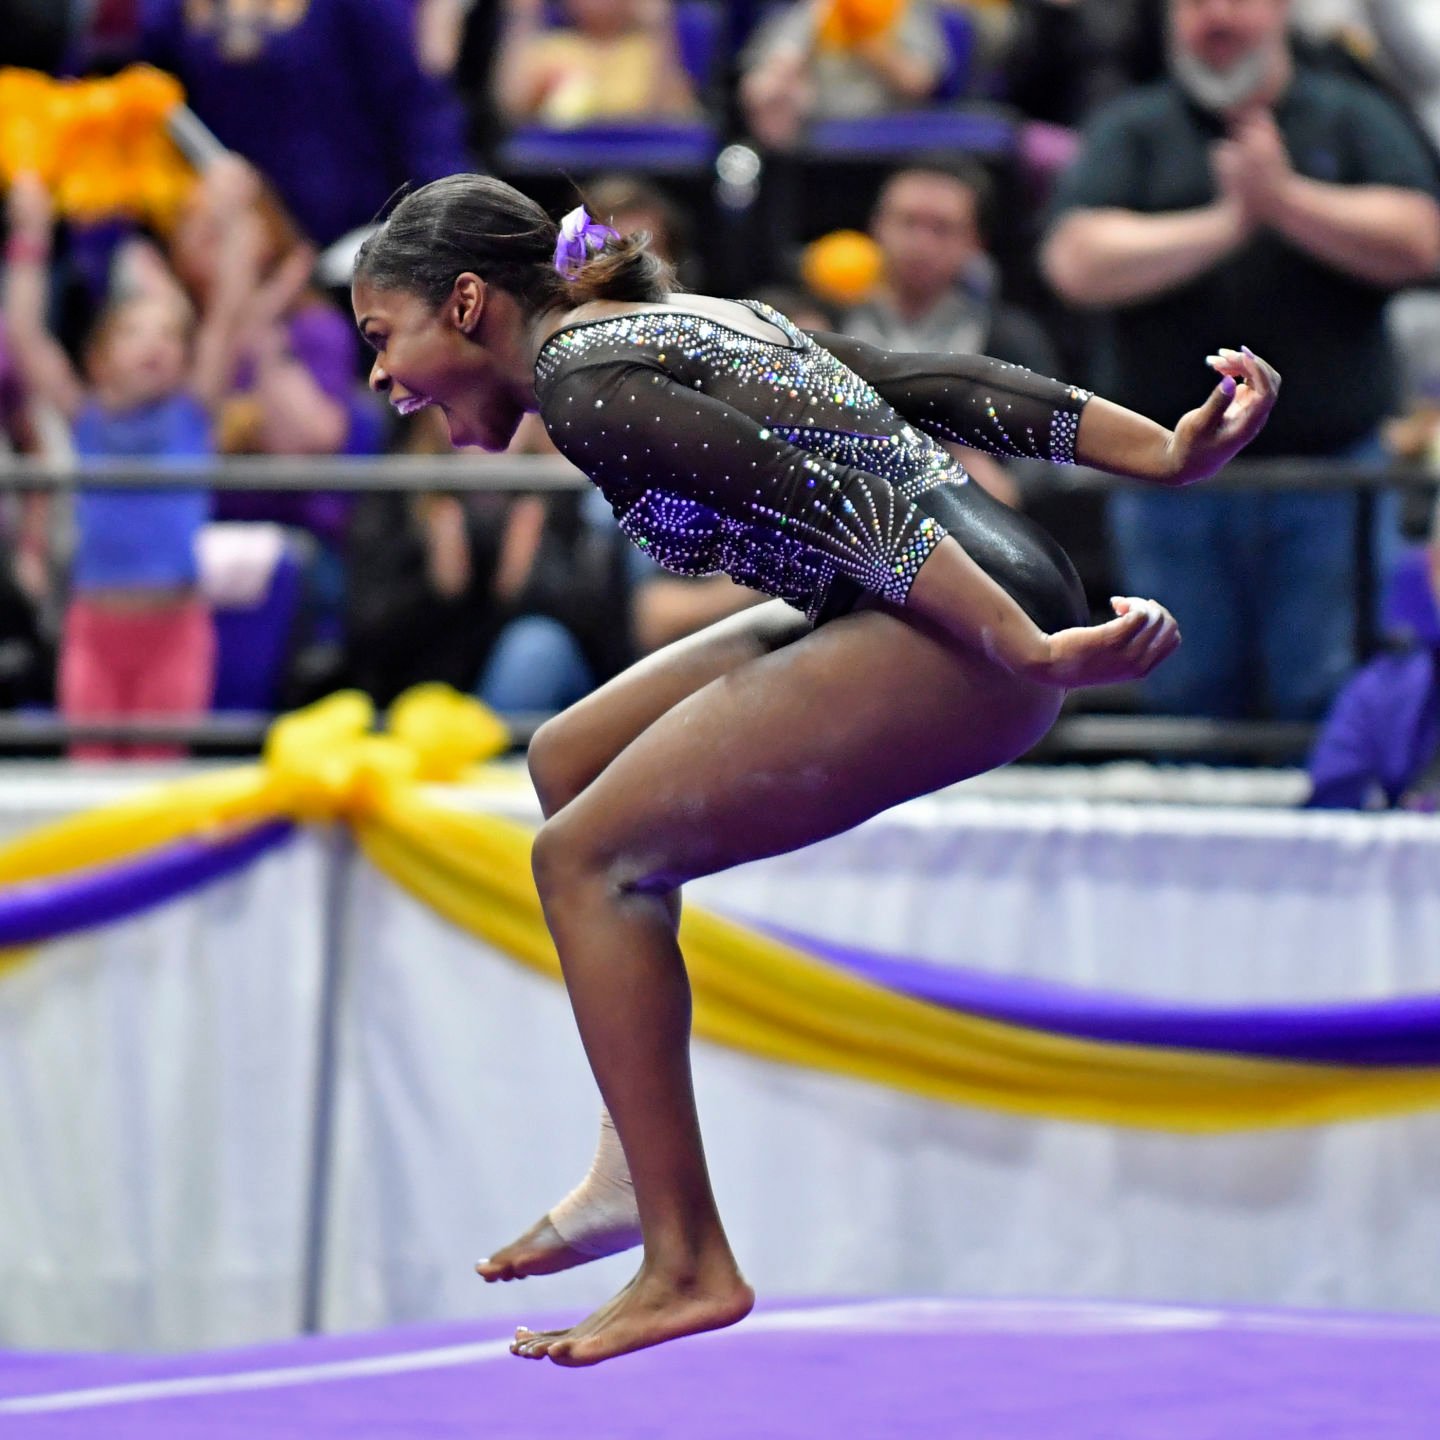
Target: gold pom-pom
point(100, 145)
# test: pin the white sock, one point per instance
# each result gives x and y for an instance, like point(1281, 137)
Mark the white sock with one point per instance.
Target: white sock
point(599, 1217)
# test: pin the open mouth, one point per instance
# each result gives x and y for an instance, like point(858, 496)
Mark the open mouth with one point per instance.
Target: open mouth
point(411, 404)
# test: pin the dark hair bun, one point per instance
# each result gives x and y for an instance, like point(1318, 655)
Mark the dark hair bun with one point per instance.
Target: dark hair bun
point(479, 224)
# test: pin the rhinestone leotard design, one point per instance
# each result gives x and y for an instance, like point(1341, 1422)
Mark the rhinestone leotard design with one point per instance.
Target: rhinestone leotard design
point(801, 467)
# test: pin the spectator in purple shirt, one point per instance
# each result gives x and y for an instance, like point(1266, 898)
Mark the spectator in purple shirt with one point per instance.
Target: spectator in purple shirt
point(326, 97)
point(294, 390)
point(1379, 747)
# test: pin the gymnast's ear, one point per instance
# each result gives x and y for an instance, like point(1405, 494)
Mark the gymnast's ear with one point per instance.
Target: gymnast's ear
point(466, 303)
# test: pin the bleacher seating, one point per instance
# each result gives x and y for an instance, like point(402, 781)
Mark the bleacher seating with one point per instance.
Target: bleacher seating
point(658, 147)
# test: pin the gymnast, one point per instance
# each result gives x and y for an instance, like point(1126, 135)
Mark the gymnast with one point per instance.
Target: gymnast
point(921, 632)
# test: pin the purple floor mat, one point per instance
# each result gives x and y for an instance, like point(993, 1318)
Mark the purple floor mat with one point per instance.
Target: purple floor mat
point(871, 1370)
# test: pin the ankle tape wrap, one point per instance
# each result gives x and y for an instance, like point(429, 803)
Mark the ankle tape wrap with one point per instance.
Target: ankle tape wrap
point(599, 1217)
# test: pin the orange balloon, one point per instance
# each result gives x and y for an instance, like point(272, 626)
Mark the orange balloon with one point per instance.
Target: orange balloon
point(842, 267)
point(867, 18)
point(846, 23)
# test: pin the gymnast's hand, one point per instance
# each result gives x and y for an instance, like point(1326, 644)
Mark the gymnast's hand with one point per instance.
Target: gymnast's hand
point(1128, 647)
point(1208, 437)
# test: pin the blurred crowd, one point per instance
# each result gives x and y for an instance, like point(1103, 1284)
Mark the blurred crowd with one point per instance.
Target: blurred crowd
point(1100, 190)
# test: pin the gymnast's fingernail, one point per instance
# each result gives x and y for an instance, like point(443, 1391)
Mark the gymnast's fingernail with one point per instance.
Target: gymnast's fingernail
point(1227, 387)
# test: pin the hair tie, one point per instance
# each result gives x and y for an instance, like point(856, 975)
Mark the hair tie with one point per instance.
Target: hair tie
point(580, 237)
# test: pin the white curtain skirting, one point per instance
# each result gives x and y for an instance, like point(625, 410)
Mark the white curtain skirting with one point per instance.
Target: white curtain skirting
point(158, 1100)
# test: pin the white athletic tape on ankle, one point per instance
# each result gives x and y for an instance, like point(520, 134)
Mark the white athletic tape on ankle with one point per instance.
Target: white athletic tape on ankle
point(599, 1217)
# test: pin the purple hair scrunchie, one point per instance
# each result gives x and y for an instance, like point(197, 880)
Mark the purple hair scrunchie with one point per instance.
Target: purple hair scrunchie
point(580, 237)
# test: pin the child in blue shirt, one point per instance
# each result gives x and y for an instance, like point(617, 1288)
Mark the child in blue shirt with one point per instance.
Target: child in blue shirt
point(138, 638)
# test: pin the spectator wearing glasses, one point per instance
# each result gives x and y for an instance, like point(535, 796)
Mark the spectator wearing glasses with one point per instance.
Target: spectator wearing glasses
point(939, 291)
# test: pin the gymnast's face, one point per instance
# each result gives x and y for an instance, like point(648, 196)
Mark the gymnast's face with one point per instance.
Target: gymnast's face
point(467, 358)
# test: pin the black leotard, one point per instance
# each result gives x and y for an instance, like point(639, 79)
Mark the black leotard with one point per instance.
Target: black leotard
point(807, 467)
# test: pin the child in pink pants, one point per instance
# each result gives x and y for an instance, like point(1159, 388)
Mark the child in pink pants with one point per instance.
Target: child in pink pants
point(138, 640)
point(152, 660)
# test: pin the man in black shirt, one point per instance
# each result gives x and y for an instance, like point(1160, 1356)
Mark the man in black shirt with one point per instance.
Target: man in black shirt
point(1247, 195)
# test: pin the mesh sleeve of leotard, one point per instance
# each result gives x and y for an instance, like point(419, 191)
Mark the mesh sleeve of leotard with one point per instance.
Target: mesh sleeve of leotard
point(971, 399)
point(633, 428)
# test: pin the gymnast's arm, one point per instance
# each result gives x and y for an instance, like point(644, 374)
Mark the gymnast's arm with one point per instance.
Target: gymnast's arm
point(635, 431)
point(1010, 411)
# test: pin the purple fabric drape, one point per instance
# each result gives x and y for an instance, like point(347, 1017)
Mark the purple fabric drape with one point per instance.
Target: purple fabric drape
point(1399, 1032)
point(47, 909)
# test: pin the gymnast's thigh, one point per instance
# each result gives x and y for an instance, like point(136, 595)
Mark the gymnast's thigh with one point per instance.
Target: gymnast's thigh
point(570, 750)
point(794, 746)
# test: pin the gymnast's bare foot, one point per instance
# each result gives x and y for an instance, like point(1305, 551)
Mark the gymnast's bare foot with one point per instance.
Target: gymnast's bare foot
point(532, 1344)
point(658, 1305)
point(539, 1251)
point(597, 1218)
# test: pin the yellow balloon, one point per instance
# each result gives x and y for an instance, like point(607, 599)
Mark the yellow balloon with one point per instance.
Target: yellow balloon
point(447, 731)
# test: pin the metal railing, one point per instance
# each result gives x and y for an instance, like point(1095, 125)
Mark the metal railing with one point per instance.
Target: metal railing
point(1084, 736)
point(520, 473)
point(542, 473)
point(1074, 737)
